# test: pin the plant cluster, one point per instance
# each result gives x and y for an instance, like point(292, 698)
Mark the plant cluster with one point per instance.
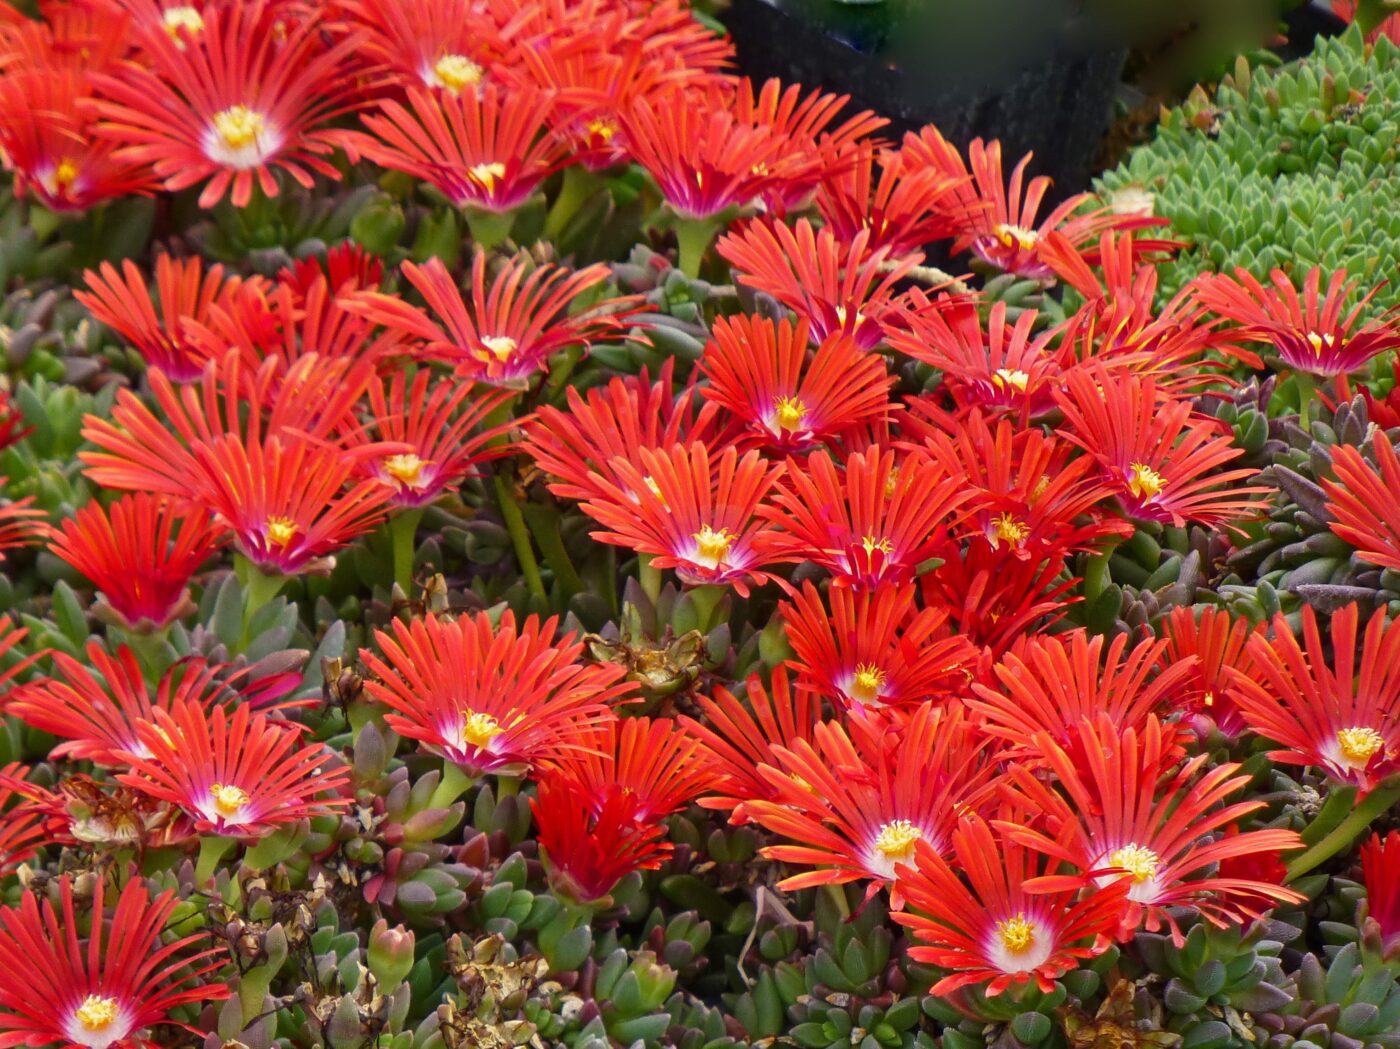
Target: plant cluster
point(509, 541)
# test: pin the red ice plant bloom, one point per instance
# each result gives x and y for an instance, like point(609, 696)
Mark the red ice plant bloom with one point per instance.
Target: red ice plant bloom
point(22, 826)
point(873, 523)
point(986, 927)
point(1309, 335)
point(1336, 714)
point(1158, 456)
point(1125, 808)
point(490, 699)
point(12, 424)
point(1217, 648)
point(855, 812)
point(1380, 873)
point(875, 649)
point(442, 44)
point(760, 373)
point(1364, 500)
point(140, 555)
point(21, 522)
point(104, 993)
point(693, 512)
point(248, 94)
point(504, 335)
point(236, 773)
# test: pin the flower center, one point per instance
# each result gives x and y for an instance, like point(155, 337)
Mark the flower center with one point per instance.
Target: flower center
point(1145, 482)
point(406, 469)
point(228, 799)
point(1015, 378)
point(1017, 934)
point(65, 174)
point(601, 130)
point(500, 346)
point(896, 840)
point(485, 175)
point(455, 72)
point(480, 729)
point(180, 18)
point(1359, 744)
point(1319, 342)
point(280, 530)
point(1010, 530)
point(1139, 862)
point(97, 1013)
point(1016, 236)
point(239, 126)
point(873, 543)
point(713, 546)
point(789, 412)
point(868, 681)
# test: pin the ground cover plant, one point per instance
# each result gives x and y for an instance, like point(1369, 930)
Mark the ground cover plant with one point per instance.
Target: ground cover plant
point(515, 536)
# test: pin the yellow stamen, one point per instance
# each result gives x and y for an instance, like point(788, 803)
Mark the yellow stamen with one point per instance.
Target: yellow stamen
point(872, 543)
point(1208, 699)
point(500, 346)
point(455, 72)
point(97, 1013)
point(1145, 482)
point(1140, 863)
point(406, 469)
point(280, 530)
point(869, 679)
point(1008, 529)
point(479, 729)
point(228, 799)
point(239, 126)
point(1017, 934)
point(713, 545)
point(1317, 342)
point(601, 129)
point(789, 412)
point(896, 840)
point(1359, 744)
point(184, 17)
point(1016, 236)
point(65, 174)
point(1016, 379)
point(485, 175)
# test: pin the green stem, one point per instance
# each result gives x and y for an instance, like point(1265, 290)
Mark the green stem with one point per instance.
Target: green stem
point(578, 186)
point(650, 578)
point(453, 785)
point(507, 786)
point(706, 599)
point(837, 895)
point(519, 537)
point(212, 849)
point(693, 238)
point(1346, 832)
point(149, 648)
point(489, 228)
point(1306, 385)
point(403, 530)
point(258, 589)
point(544, 526)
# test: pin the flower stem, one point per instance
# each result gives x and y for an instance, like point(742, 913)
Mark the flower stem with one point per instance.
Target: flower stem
point(520, 538)
point(706, 599)
point(212, 849)
point(403, 529)
point(1306, 386)
point(453, 785)
point(489, 228)
point(259, 588)
point(693, 238)
point(578, 186)
point(650, 578)
point(1367, 809)
point(507, 786)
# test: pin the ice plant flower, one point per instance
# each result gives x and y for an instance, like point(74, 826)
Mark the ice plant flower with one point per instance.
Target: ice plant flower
point(1122, 806)
point(502, 336)
point(1364, 500)
point(759, 372)
point(106, 990)
point(442, 44)
point(1217, 648)
point(1335, 714)
point(875, 648)
point(12, 425)
point(990, 929)
point(855, 813)
point(1159, 457)
point(693, 512)
point(838, 287)
point(233, 103)
point(1309, 334)
point(21, 522)
point(22, 827)
point(873, 523)
point(235, 774)
point(1380, 873)
point(495, 699)
point(140, 555)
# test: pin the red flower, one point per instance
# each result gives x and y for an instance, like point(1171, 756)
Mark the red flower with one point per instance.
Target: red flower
point(991, 930)
point(235, 774)
point(856, 812)
point(759, 372)
point(22, 829)
point(1309, 335)
point(875, 649)
point(1125, 814)
point(248, 93)
point(58, 990)
point(491, 699)
point(442, 44)
point(741, 737)
point(1154, 452)
point(345, 268)
point(506, 334)
point(140, 556)
point(1364, 503)
point(11, 637)
point(1215, 646)
point(12, 427)
point(431, 440)
point(876, 522)
point(21, 523)
point(485, 146)
point(186, 294)
point(836, 286)
point(1332, 714)
point(616, 421)
point(693, 514)
point(1380, 873)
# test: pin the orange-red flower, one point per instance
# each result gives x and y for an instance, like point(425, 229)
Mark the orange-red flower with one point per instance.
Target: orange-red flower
point(12, 424)
point(250, 93)
point(986, 926)
point(1335, 714)
point(443, 44)
point(1380, 873)
point(105, 989)
point(22, 829)
point(874, 649)
point(491, 699)
point(1364, 500)
point(694, 513)
point(139, 554)
point(761, 374)
point(1216, 646)
point(21, 522)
